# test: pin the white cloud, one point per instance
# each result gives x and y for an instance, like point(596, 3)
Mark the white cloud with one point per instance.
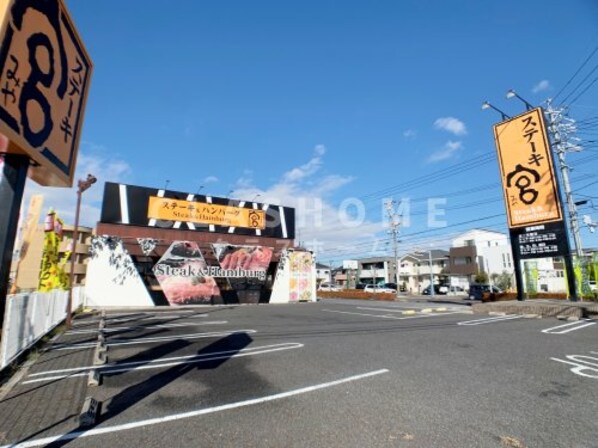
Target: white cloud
point(320, 224)
point(449, 150)
point(451, 124)
point(410, 133)
point(210, 180)
point(541, 86)
point(64, 200)
point(308, 169)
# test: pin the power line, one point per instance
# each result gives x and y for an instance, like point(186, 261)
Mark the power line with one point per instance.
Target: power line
point(576, 73)
point(584, 90)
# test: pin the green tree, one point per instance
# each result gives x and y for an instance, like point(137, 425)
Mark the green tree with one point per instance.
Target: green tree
point(504, 281)
point(481, 277)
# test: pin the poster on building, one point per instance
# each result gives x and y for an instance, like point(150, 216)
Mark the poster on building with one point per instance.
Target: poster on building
point(184, 276)
point(43, 99)
point(233, 274)
point(527, 171)
point(301, 276)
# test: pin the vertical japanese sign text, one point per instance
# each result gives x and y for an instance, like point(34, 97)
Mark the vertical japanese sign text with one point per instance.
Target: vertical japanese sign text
point(527, 172)
point(44, 81)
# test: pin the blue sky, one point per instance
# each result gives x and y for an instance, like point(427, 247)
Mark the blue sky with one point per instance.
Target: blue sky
point(313, 103)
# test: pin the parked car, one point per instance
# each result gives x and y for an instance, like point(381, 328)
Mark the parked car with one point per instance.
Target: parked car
point(456, 290)
point(477, 290)
point(328, 287)
point(592, 285)
point(360, 285)
point(379, 289)
point(438, 290)
point(391, 286)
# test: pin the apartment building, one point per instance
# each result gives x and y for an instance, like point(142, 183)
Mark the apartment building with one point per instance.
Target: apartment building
point(418, 268)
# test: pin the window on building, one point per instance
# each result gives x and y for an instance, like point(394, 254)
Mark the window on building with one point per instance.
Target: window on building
point(469, 242)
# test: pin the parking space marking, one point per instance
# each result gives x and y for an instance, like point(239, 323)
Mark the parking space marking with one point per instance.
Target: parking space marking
point(388, 316)
point(149, 327)
point(74, 372)
point(428, 313)
point(167, 316)
point(490, 320)
point(586, 366)
point(195, 413)
point(133, 341)
point(578, 325)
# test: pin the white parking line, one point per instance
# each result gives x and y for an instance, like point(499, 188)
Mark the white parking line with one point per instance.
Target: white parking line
point(583, 364)
point(407, 309)
point(133, 341)
point(575, 326)
point(148, 327)
point(166, 316)
point(50, 375)
point(490, 320)
point(384, 316)
point(389, 316)
point(195, 413)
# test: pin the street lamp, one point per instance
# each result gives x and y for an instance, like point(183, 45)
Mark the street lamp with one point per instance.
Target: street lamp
point(512, 94)
point(82, 186)
point(487, 105)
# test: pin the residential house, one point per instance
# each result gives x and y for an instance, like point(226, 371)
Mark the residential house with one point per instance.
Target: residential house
point(415, 271)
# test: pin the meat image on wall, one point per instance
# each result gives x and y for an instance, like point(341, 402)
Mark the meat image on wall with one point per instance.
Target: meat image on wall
point(181, 273)
point(247, 258)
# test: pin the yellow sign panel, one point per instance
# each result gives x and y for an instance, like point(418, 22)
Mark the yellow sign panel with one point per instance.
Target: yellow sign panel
point(526, 168)
point(205, 213)
point(45, 73)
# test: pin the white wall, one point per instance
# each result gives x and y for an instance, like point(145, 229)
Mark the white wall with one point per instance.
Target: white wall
point(29, 317)
point(111, 285)
point(481, 238)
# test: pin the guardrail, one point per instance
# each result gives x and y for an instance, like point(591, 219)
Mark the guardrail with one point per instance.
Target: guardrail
point(29, 317)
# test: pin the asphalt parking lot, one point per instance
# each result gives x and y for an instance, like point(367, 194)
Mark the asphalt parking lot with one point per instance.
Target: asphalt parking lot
point(332, 373)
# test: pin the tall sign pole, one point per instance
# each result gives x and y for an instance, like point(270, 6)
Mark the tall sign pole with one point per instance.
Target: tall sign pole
point(531, 192)
point(12, 183)
point(45, 72)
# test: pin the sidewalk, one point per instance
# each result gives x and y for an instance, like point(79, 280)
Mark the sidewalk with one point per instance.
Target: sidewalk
point(42, 408)
point(543, 308)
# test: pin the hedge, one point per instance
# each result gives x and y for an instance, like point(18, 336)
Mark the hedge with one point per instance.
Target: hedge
point(356, 294)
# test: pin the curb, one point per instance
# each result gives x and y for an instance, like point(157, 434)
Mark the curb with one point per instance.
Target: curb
point(89, 412)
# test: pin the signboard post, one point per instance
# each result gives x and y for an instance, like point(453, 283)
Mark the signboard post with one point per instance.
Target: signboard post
point(531, 193)
point(13, 170)
point(45, 72)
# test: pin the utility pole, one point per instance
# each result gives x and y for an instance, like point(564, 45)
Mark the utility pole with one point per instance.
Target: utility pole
point(560, 127)
point(431, 274)
point(394, 222)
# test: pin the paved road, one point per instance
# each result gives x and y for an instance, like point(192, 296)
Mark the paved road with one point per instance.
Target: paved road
point(340, 373)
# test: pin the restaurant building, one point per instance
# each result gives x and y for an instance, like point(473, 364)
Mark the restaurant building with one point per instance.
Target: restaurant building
point(163, 247)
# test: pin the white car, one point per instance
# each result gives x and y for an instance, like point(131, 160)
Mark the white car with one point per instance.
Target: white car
point(379, 289)
point(328, 287)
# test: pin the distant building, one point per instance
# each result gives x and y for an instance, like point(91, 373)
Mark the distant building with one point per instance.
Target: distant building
point(479, 250)
point(414, 269)
point(27, 277)
point(323, 273)
point(376, 270)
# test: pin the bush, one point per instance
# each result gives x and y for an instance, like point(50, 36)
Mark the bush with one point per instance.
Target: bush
point(504, 296)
